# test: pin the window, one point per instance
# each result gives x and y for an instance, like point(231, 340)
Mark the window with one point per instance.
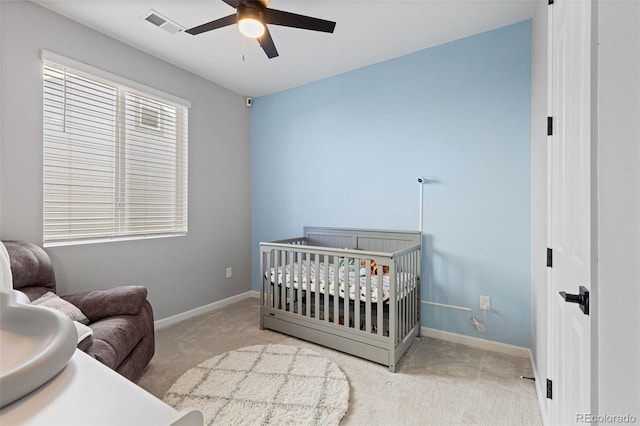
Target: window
point(115, 157)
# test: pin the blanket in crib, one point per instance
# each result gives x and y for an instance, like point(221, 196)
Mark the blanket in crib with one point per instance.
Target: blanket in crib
point(317, 283)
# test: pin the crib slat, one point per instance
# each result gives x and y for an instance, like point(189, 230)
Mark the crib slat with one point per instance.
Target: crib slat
point(356, 299)
point(411, 296)
point(317, 293)
point(307, 292)
point(409, 279)
point(272, 284)
point(380, 304)
point(336, 290)
point(291, 303)
point(346, 286)
point(300, 283)
point(277, 282)
point(397, 289)
point(400, 303)
point(405, 300)
point(285, 279)
point(326, 287)
point(411, 292)
point(284, 258)
point(413, 289)
point(367, 306)
point(405, 297)
point(418, 261)
point(266, 278)
point(393, 309)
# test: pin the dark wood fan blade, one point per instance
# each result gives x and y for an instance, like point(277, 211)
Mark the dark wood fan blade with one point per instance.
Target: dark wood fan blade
point(218, 23)
point(267, 44)
point(232, 3)
point(288, 19)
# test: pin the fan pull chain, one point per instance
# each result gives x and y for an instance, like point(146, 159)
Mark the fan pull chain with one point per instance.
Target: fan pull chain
point(243, 40)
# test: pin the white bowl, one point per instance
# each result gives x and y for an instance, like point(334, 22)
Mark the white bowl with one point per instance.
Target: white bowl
point(35, 344)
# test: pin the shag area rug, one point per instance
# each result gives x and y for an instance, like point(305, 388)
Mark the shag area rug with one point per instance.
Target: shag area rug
point(264, 385)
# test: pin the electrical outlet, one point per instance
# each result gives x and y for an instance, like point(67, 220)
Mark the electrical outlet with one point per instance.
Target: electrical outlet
point(485, 303)
point(229, 272)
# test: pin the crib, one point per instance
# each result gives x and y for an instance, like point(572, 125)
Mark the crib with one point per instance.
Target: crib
point(353, 290)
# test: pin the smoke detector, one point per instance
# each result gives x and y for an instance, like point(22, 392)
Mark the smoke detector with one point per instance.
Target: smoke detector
point(161, 21)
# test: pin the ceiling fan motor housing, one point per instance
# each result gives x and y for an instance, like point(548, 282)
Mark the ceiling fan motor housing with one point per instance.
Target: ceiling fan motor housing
point(250, 10)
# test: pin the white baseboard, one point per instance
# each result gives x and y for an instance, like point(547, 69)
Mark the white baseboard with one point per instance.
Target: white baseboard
point(488, 345)
point(174, 319)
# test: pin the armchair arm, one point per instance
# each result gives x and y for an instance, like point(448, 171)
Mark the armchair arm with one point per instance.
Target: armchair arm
point(99, 304)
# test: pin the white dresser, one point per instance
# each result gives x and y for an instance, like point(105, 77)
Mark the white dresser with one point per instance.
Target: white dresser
point(87, 392)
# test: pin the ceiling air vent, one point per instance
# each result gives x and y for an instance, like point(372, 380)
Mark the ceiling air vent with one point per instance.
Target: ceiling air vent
point(162, 22)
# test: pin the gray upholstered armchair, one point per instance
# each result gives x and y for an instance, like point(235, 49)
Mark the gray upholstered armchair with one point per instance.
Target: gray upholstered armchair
point(121, 318)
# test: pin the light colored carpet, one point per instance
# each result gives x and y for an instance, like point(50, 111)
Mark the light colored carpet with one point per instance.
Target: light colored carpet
point(436, 382)
point(264, 384)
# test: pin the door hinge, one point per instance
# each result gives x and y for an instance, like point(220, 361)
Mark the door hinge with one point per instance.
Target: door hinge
point(549, 126)
point(549, 257)
point(549, 389)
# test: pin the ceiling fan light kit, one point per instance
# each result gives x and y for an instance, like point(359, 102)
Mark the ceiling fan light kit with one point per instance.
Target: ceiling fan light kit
point(250, 21)
point(252, 17)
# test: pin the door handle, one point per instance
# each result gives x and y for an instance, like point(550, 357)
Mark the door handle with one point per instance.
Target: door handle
point(581, 299)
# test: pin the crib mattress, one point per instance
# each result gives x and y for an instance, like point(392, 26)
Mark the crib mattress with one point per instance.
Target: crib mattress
point(356, 282)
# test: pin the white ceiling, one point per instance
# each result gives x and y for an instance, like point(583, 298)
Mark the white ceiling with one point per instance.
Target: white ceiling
point(367, 32)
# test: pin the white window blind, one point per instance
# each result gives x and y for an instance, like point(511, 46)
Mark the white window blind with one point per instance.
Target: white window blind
point(115, 160)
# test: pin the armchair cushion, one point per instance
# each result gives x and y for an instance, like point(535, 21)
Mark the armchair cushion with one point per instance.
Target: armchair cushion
point(115, 337)
point(120, 319)
point(31, 269)
point(52, 300)
point(99, 304)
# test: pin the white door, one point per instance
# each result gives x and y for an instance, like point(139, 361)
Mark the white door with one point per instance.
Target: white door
point(569, 189)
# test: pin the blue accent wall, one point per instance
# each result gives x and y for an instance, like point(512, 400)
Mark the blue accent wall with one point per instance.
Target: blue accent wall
point(347, 151)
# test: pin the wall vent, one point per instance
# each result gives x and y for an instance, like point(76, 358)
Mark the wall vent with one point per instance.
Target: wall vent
point(162, 22)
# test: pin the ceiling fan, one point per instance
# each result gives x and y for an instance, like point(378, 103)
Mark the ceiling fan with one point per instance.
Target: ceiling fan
point(252, 17)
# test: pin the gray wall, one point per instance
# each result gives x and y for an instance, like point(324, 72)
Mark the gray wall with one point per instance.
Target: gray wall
point(180, 273)
point(618, 294)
